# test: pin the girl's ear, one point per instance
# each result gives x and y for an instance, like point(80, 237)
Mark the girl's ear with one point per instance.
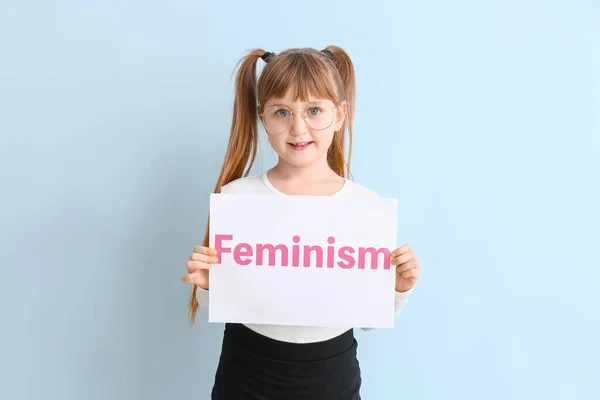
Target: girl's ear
point(341, 112)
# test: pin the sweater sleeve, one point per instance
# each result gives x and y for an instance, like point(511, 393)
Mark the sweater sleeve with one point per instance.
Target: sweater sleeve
point(202, 297)
point(202, 294)
point(400, 302)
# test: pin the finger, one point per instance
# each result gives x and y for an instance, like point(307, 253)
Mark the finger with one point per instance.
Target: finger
point(188, 278)
point(401, 250)
point(412, 274)
point(204, 258)
point(416, 274)
point(193, 266)
point(401, 259)
point(205, 250)
point(195, 278)
point(407, 266)
point(408, 274)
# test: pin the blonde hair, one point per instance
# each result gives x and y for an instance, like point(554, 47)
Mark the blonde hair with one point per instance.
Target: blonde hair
point(325, 74)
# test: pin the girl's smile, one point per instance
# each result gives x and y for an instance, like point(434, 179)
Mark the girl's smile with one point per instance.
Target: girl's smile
point(299, 146)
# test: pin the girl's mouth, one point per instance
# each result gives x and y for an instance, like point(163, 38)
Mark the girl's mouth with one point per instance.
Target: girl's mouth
point(300, 145)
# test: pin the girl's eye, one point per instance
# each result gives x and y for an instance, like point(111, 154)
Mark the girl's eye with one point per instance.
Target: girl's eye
point(314, 111)
point(282, 113)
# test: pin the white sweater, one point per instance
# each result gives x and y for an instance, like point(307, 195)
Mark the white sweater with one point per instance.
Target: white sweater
point(260, 184)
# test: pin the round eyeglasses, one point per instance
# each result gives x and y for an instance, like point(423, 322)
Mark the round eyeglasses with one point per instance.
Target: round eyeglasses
point(279, 119)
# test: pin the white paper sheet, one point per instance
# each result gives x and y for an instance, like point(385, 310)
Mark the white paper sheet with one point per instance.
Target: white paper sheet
point(246, 289)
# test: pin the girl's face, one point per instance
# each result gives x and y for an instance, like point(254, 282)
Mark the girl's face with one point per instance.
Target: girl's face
point(301, 132)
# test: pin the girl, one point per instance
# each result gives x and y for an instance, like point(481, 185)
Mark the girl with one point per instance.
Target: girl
point(305, 103)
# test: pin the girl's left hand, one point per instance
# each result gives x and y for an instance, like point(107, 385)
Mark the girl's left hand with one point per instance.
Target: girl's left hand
point(407, 268)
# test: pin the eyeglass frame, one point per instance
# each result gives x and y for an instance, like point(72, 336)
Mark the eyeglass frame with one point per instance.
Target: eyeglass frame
point(261, 115)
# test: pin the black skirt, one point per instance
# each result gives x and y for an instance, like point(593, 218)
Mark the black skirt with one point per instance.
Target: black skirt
point(253, 366)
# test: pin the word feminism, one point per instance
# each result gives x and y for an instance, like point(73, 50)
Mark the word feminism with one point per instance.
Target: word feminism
point(349, 257)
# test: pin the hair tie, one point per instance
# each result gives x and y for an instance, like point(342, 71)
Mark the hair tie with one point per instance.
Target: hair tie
point(266, 56)
point(327, 52)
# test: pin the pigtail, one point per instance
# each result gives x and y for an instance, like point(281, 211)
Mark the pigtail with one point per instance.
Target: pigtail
point(345, 68)
point(243, 139)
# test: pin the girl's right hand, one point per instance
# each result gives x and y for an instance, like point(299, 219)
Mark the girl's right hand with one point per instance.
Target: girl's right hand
point(198, 265)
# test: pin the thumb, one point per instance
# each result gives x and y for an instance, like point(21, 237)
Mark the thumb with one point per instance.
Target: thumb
point(197, 278)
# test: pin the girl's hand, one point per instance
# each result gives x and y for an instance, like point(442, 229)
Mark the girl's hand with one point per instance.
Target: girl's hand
point(407, 268)
point(198, 265)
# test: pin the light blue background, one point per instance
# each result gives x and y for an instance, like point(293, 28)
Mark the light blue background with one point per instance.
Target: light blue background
point(482, 117)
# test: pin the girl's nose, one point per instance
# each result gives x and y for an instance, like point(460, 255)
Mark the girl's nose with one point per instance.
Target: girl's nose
point(299, 126)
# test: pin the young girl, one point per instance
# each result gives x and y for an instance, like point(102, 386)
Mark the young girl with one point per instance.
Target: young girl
point(305, 103)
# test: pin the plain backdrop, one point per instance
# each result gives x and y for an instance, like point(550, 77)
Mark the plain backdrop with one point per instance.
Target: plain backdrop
point(481, 117)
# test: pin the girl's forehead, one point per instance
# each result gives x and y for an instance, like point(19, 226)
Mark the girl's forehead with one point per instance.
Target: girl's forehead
point(290, 101)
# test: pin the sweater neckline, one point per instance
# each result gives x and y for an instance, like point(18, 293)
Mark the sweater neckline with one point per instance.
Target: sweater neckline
point(273, 189)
